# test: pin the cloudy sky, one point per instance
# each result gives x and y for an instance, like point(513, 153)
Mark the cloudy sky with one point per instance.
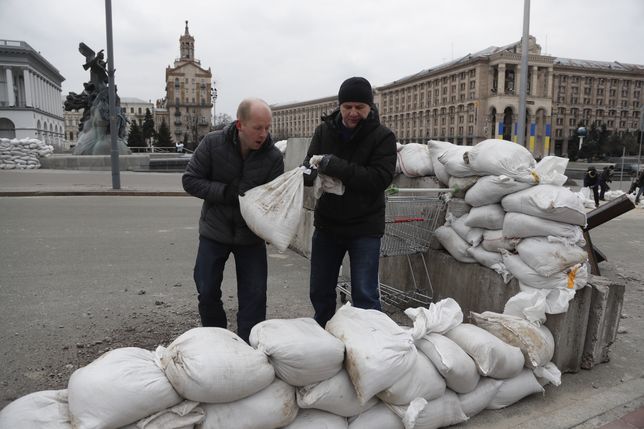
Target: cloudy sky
point(296, 50)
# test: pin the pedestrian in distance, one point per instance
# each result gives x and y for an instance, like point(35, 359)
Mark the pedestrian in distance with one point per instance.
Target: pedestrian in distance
point(640, 184)
point(225, 164)
point(605, 178)
point(591, 180)
point(358, 150)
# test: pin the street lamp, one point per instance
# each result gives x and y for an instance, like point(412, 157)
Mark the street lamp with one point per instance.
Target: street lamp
point(581, 133)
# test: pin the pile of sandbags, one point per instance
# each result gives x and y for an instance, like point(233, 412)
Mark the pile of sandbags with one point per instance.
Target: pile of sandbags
point(363, 371)
point(515, 217)
point(22, 153)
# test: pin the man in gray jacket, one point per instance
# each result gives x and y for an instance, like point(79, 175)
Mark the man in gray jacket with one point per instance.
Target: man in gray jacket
point(225, 165)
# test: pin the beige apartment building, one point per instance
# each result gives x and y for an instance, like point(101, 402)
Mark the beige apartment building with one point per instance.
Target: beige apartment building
point(476, 97)
point(188, 95)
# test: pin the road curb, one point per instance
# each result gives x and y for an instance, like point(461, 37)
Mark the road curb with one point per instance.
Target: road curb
point(122, 193)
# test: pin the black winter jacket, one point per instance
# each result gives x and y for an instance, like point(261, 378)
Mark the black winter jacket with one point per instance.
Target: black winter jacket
point(366, 167)
point(217, 162)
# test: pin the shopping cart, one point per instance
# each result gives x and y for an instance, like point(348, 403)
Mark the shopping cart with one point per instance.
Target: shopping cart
point(411, 216)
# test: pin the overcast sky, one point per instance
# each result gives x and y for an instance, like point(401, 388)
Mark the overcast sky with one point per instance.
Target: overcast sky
point(297, 50)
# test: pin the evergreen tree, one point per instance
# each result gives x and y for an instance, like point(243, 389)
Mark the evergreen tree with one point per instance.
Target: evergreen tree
point(147, 129)
point(135, 138)
point(164, 139)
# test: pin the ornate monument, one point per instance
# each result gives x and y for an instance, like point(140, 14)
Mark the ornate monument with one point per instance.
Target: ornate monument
point(94, 129)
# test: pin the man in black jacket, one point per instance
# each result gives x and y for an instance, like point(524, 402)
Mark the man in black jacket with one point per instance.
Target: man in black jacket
point(591, 180)
point(360, 152)
point(225, 165)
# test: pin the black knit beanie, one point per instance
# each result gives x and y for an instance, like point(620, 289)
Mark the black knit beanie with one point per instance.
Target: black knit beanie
point(357, 90)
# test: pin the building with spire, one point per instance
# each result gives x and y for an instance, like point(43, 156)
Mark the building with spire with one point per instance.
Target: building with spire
point(188, 95)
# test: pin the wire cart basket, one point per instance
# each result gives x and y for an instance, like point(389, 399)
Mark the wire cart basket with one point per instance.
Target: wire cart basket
point(410, 221)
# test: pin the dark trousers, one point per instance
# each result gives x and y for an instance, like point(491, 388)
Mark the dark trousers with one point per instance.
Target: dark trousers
point(252, 271)
point(595, 194)
point(603, 188)
point(327, 252)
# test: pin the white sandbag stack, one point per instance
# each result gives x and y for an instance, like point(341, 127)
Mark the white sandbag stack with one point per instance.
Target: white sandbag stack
point(16, 154)
point(301, 352)
point(133, 388)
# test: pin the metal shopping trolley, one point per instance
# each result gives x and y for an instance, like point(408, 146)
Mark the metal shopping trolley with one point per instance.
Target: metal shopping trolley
point(411, 216)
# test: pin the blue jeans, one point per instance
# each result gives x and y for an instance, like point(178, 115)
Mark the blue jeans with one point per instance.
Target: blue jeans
point(252, 271)
point(327, 253)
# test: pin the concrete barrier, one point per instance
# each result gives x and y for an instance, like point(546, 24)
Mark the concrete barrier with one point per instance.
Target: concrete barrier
point(94, 162)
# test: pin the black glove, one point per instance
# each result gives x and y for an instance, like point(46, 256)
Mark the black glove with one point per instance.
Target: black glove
point(231, 193)
point(309, 178)
point(333, 166)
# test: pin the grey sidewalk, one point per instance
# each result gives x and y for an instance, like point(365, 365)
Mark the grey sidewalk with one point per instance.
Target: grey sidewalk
point(86, 182)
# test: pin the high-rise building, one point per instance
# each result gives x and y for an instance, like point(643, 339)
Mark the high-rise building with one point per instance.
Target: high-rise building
point(476, 97)
point(30, 95)
point(188, 95)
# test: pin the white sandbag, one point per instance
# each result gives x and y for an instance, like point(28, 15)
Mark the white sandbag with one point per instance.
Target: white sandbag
point(300, 350)
point(454, 244)
point(335, 395)
point(478, 399)
point(398, 170)
point(547, 257)
point(501, 157)
point(548, 373)
point(212, 365)
point(47, 409)
point(436, 149)
point(491, 260)
point(493, 357)
point(533, 304)
point(270, 408)
point(120, 387)
point(547, 202)
point(457, 207)
point(414, 160)
point(378, 351)
point(439, 317)
point(535, 342)
point(521, 225)
point(495, 241)
point(487, 217)
point(551, 170)
point(273, 210)
point(457, 367)
point(472, 236)
point(492, 189)
point(574, 277)
point(317, 419)
point(182, 416)
point(422, 414)
point(378, 417)
point(281, 145)
point(454, 163)
point(515, 389)
point(421, 381)
point(460, 185)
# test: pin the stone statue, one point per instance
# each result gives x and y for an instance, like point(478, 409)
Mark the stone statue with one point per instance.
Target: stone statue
point(94, 130)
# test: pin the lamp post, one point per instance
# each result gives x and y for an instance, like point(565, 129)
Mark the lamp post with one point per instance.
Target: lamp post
point(581, 133)
point(213, 96)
